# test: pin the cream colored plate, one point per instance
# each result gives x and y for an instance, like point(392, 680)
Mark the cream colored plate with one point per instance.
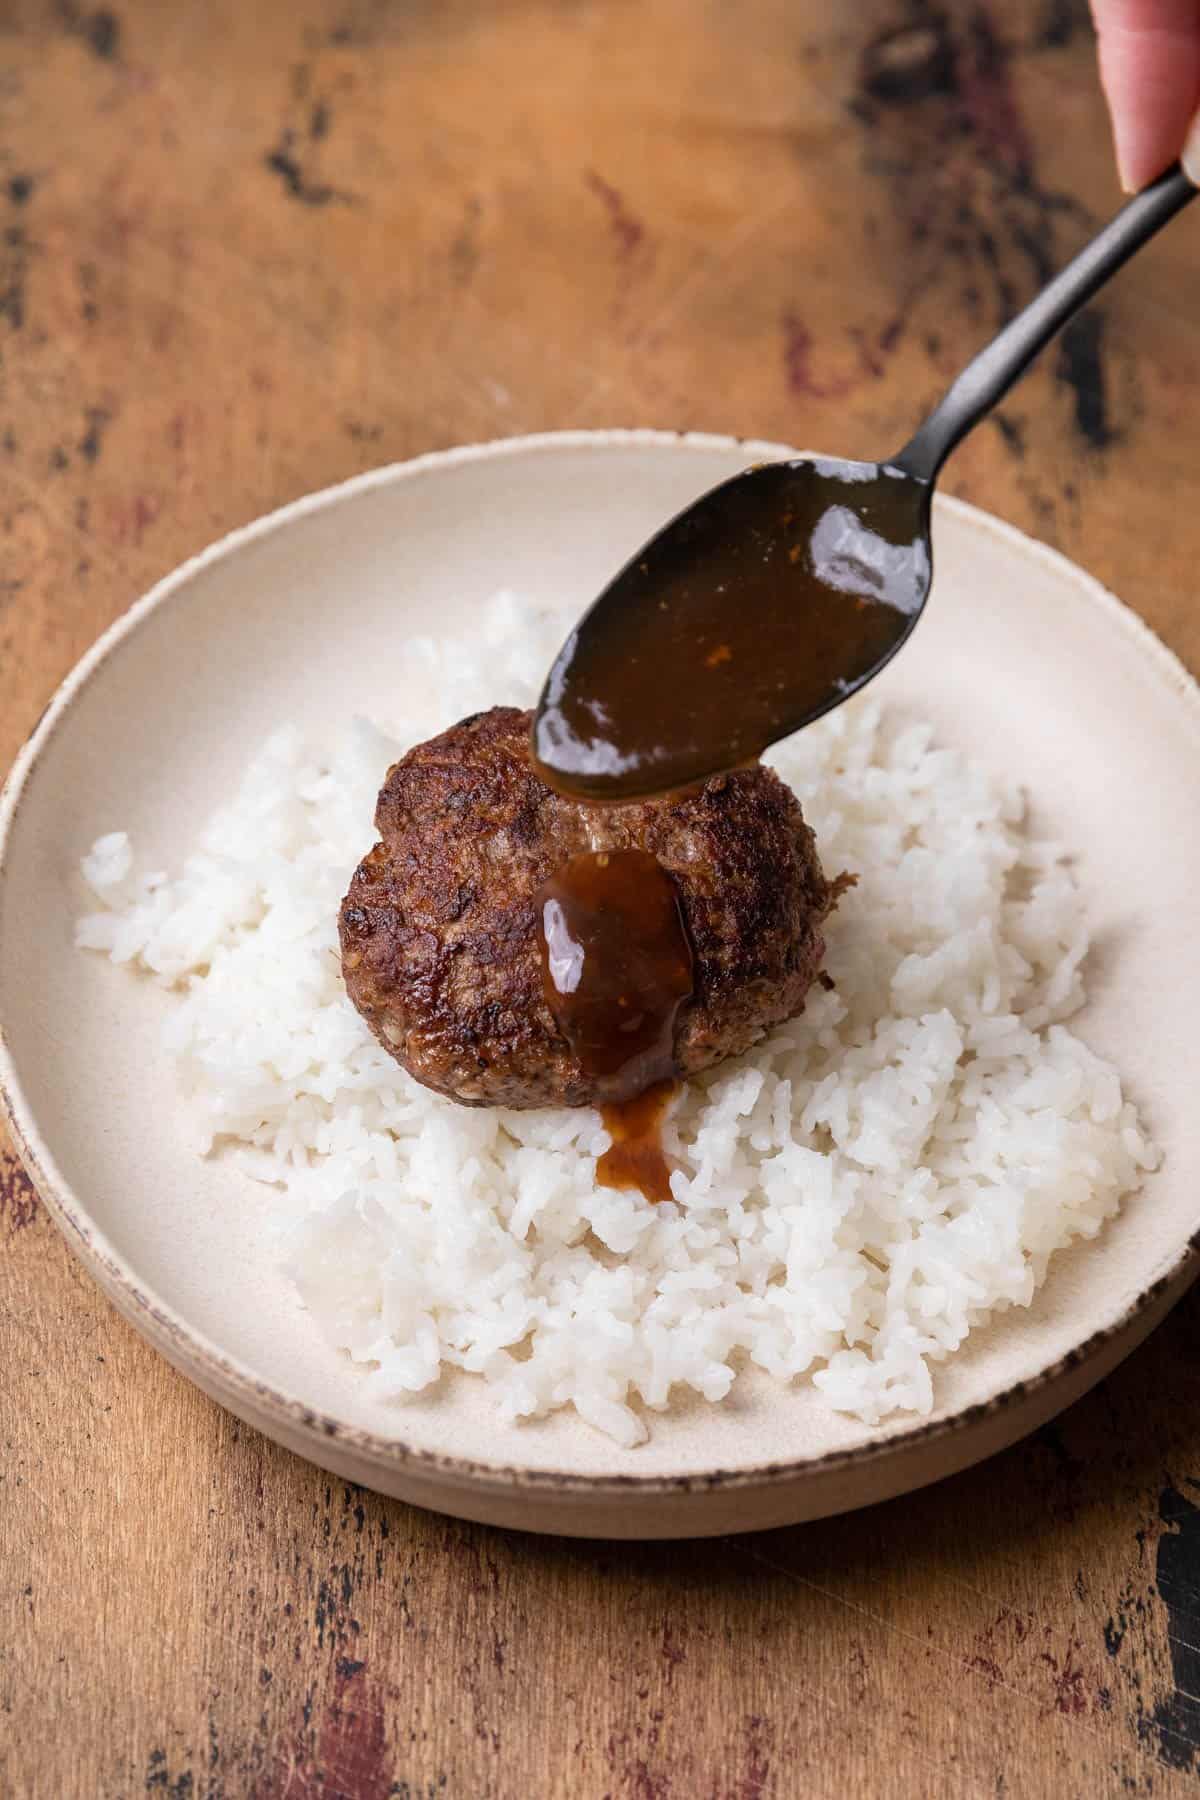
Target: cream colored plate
point(1022, 659)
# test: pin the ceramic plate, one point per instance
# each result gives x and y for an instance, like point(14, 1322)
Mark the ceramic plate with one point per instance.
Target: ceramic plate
point(1022, 660)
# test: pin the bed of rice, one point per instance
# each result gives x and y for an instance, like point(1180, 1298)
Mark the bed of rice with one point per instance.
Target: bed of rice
point(851, 1199)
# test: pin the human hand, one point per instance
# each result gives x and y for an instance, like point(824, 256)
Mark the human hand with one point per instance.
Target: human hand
point(1150, 70)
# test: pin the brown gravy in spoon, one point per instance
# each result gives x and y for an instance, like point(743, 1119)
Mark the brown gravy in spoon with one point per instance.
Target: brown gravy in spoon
point(755, 611)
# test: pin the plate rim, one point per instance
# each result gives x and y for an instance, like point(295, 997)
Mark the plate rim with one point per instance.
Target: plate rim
point(234, 1383)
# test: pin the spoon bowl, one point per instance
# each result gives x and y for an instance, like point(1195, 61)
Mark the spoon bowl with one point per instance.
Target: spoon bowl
point(773, 598)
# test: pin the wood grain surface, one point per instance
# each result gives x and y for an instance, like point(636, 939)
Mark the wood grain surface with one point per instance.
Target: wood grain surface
point(248, 249)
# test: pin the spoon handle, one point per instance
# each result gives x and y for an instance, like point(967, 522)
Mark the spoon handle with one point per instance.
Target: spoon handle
point(986, 380)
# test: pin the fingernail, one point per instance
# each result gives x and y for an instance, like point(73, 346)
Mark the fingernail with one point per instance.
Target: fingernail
point(1191, 152)
point(1125, 162)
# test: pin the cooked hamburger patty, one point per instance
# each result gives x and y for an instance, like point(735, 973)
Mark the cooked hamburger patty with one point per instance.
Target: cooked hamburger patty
point(439, 931)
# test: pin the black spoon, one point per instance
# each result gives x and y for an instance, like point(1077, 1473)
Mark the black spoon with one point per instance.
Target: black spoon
point(783, 591)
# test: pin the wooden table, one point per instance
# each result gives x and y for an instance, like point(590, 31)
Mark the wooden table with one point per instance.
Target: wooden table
point(246, 250)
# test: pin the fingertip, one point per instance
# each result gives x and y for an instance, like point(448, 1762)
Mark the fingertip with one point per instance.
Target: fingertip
point(1141, 158)
point(1190, 157)
point(1129, 142)
point(1130, 172)
point(1150, 80)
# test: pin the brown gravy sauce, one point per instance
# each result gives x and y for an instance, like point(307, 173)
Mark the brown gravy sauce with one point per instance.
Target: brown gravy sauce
point(616, 968)
point(635, 1158)
point(737, 623)
point(734, 626)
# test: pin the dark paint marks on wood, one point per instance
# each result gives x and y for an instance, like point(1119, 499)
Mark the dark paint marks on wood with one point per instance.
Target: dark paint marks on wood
point(127, 520)
point(1012, 431)
point(628, 230)
point(867, 355)
point(100, 30)
point(19, 1204)
point(464, 245)
point(1061, 21)
point(349, 1756)
point(758, 1740)
point(16, 250)
point(987, 96)
point(1035, 243)
point(1174, 1724)
point(797, 363)
point(1115, 1627)
point(1050, 1437)
point(159, 1780)
point(291, 158)
point(145, 511)
point(673, 1652)
point(909, 63)
point(1067, 1675)
point(871, 351)
point(96, 420)
point(938, 92)
point(365, 23)
point(282, 161)
point(87, 276)
point(1081, 368)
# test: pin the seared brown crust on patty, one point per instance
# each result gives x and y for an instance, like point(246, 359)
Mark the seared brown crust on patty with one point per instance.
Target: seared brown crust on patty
point(439, 935)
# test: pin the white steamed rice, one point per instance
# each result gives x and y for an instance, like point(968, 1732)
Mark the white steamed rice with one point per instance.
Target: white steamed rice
point(852, 1198)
